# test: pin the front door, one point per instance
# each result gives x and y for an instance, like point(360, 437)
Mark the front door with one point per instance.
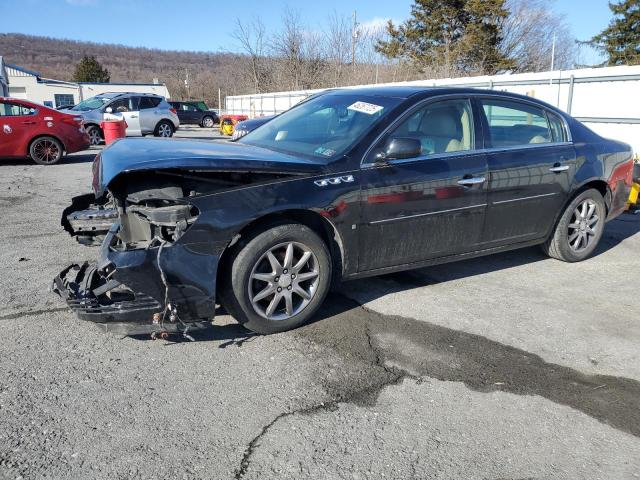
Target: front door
point(429, 206)
point(128, 109)
point(531, 164)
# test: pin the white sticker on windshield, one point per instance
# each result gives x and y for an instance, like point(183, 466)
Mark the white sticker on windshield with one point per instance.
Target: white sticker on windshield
point(364, 107)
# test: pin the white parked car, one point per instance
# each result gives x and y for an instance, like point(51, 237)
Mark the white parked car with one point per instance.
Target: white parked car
point(145, 114)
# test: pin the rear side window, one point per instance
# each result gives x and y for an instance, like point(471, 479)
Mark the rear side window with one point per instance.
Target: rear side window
point(557, 128)
point(149, 102)
point(513, 124)
point(15, 110)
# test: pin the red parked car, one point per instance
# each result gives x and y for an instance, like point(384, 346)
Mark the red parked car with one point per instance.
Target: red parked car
point(31, 130)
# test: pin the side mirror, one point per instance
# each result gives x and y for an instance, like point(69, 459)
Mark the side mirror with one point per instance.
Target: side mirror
point(398, 148)
point(108, 110)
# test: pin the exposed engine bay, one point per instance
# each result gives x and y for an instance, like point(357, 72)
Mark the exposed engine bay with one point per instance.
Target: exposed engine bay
point(138, 223)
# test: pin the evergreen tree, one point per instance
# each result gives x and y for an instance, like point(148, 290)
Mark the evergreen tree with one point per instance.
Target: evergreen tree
point(90, 70)
point(456, 36)
point(620, 41)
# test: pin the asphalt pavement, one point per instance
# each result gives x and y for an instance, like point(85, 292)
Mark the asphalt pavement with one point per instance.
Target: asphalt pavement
point(513, 366)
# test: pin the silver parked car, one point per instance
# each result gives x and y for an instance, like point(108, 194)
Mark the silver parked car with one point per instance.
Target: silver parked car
point(144, 113)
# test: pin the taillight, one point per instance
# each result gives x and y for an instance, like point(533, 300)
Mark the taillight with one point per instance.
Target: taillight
point(173, 110)
point(74, 120)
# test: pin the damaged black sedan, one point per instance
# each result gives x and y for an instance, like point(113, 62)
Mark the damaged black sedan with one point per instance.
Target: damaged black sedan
point(349, 184)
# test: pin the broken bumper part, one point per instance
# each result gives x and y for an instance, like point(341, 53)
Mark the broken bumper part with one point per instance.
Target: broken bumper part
point(125, 286)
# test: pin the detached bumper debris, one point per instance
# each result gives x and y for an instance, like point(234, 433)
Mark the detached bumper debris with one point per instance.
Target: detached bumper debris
point(92, 297)
point(114, 307)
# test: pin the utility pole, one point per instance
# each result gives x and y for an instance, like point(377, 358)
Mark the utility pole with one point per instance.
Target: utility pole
point(219, 101)
point(553, 51)
point(186, 84)
point(354, 38)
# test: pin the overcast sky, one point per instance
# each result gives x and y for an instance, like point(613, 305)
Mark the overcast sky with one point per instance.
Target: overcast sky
point(207, 24)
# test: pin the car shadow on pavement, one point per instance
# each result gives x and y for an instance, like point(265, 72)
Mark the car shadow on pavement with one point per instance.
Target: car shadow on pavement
point(84, 157)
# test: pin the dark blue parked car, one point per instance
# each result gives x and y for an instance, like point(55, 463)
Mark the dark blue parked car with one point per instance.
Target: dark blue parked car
point(348, 184)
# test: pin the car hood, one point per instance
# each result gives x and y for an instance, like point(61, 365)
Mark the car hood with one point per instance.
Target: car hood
point(139, 154)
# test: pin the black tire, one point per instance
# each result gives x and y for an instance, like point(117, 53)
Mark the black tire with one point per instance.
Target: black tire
point(164, 129)
point(571, 226)
point(96, 137)
point(207, 122)
point(46, 151)
point(239, 280)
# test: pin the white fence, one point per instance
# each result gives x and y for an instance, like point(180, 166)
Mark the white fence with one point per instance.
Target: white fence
point(606, 99)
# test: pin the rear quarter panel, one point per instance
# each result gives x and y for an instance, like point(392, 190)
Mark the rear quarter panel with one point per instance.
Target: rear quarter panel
point(606, 160)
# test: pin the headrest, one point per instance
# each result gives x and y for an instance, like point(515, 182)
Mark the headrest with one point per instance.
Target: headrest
point(441, 122)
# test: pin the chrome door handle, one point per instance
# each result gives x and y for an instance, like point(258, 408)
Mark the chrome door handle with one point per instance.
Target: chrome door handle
point(467, 182)
point(562, 168)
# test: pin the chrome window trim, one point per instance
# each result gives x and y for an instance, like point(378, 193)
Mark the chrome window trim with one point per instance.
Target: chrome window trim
point(427, 214)
point(475, 151)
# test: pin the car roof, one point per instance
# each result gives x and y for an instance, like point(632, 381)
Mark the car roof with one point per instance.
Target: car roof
point(117, 94)
point(410, 91)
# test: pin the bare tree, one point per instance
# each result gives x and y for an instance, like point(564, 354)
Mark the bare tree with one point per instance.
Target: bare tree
point(252, 39)
point(528, 37)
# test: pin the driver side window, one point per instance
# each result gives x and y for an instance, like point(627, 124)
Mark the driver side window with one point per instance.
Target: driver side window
point(440, 127)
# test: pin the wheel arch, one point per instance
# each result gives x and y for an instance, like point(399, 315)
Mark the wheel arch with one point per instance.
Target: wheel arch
point(309, 218)
point(165, 120)
point(597, 183)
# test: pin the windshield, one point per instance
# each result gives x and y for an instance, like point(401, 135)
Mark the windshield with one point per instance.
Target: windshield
point(324, 127)
point(90, 104)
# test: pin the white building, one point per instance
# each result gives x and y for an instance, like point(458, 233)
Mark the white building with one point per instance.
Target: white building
point(29, 85)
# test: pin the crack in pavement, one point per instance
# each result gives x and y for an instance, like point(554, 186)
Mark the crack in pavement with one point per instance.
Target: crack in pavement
point(381, 350)
point(391, 376)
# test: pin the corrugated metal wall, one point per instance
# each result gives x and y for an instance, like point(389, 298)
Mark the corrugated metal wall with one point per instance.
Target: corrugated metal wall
point(606, 99)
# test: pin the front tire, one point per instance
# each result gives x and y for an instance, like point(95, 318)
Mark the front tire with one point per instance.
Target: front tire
point(164, 129)
point(207, 122)
point(95, 135)
point(278, 279)
point(579, 229)
point(45, 151)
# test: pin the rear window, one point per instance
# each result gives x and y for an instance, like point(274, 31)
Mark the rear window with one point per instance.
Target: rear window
point(514, 124)
point(149, 102)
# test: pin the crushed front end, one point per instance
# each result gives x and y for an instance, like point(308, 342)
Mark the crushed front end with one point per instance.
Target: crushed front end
point(153, 271)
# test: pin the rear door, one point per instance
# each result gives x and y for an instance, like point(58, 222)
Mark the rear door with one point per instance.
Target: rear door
point(18, 123)
point(430, 206)
point(531, 164)
point(149, 113)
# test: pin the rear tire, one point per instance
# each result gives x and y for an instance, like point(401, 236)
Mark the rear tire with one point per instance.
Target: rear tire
point(164, 129)
point(45, 151)
point(207, 122)
point(278, 279)
point(579, 229)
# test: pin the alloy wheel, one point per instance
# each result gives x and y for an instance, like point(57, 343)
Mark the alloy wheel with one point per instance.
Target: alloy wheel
point(46, 151)
point(208, 122)
point(584, 225)
point(283, 281)
point(164, 130)
point(94, 136)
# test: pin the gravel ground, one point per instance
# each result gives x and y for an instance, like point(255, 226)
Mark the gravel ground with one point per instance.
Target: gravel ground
point(507, 367)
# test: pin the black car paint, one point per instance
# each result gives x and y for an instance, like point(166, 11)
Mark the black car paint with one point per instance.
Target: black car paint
point(377, 223)
point(196, 117)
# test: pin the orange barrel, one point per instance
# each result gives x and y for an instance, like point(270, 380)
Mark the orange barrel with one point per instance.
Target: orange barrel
point(113, 130)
